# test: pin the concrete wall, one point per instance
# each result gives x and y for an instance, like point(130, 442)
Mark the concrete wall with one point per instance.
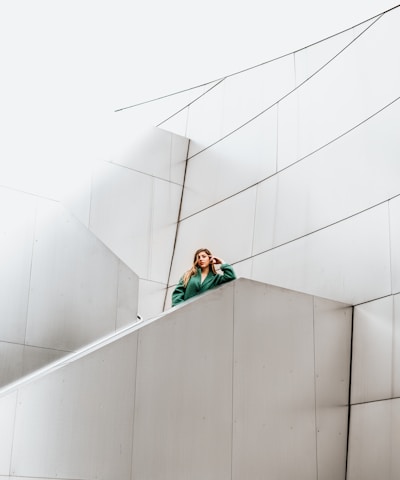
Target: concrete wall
point(375, 411)
point(60, 287)
point(248, 380)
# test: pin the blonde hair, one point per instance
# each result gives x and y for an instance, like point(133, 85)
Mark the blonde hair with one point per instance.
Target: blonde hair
point(193, 270)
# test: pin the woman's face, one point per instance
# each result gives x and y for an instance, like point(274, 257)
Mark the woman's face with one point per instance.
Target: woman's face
point(203, 260)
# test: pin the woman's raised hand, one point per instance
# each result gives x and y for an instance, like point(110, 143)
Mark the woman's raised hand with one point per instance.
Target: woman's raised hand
point(216, 260)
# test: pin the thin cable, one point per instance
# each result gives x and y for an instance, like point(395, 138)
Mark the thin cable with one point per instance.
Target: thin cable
point(288, 93)
point(318, 229)
point(289, 166)
point(190, 103)
point(168, 95)
point(177, 226)
point(256, 66)
point(354, 127)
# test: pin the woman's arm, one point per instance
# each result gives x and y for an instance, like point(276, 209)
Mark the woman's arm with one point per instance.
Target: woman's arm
point(228, 273)
point(178, 294)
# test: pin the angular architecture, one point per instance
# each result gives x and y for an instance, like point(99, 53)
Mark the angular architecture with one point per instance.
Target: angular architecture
point(288, 170)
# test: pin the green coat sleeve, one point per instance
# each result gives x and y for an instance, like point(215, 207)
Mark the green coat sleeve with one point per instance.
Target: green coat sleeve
point(178, 295)
point(228, 273)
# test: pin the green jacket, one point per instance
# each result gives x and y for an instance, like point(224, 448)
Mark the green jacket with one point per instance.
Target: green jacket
point(195, 286)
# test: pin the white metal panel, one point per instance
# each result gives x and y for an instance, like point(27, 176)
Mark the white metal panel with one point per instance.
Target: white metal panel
point(29, 478)
point(353, 174)
point(251, 92)
point(332, 425)
point(372, 351)
point(11, 362)
point(183, 407)
point(266, 215)
point(237, 101)
point(17, 222)
point(396, 346)
point(237, 162)
point(135, 215)
point(288, 131)
point(76, 422)
point(274, 394)
point(164, 216)
point(374, 441)
point(330, 95)
point(394, 211)
point(226, 229)
point(360, 81)
point(244, 269)
point(178, 154)
point(177, 119)
point(73, 297)
point(205, 120)
point(76, 198)
point(7, 418)
point(168, 300)
point(395, 459)
point(151, 298)
point(347, 262)
point(356, 84)
point(156, 152)
point(36, 357)
point(333, 330)
point(121, 213)
point(332, 334)
point(128, 295)
point(17, 360)
point(177, 123)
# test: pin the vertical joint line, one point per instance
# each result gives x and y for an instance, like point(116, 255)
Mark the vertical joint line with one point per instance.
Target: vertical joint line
point(393, 303)
point(134, 401)
point(254, 221)
point(349, 393)
point(177, 225)
point(277, 138)
point(30, 273)
point(315, 393)
point(17, 396)
point(390, 249)
point(118, 294)
point(150, 228)
point(233, 377)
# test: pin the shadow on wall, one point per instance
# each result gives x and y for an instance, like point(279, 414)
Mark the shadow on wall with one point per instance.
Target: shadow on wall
point(61, 287)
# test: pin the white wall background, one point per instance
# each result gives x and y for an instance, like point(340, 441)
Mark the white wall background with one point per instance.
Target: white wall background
point(60, 287)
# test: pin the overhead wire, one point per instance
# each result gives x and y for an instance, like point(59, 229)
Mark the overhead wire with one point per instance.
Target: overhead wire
point(238, 72)
point(191, 103)
point(287, 94)
point(343, 134)
point(218, 81)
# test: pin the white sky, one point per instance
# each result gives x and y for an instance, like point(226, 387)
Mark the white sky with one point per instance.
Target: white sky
point(66, 65)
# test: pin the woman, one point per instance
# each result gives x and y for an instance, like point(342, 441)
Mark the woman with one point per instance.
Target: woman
point(202, 276)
